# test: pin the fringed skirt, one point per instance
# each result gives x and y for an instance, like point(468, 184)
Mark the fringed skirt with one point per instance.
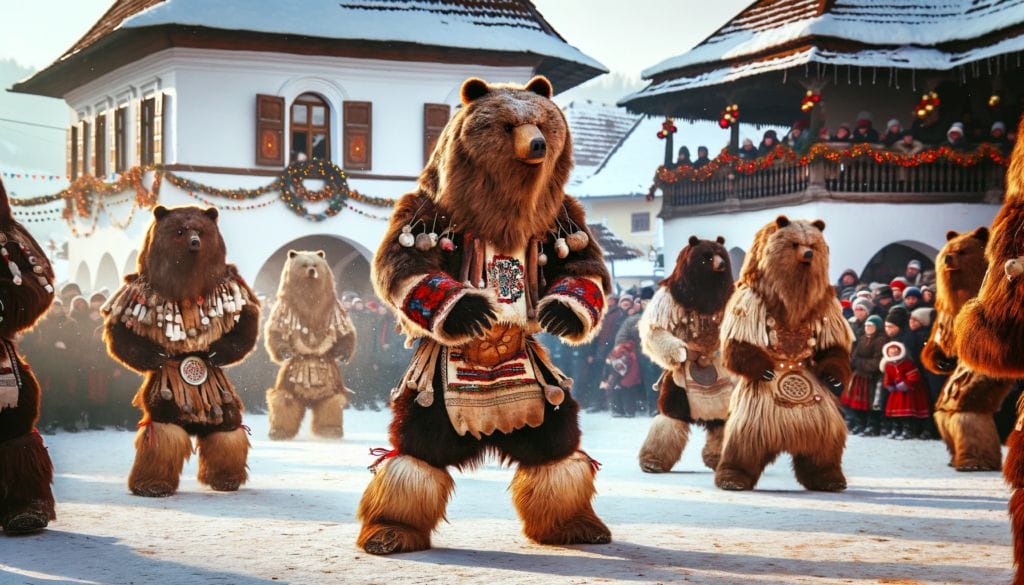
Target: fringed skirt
point(858, 395)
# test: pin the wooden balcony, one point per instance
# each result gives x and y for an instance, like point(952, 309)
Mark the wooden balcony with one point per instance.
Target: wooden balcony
point(860, 179)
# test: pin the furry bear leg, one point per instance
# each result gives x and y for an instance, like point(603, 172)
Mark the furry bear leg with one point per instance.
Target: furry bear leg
point(26, 501)
point(161, 450)
point(554, 502)
point(741, 463)
point(821, 471)
point(712, 452)
point(942, 419)
point(403, 504)
point(664, 445)
point(975, 441)
point(1013, 473)
point(327, 417)
point(222, 459)
point(285, 412)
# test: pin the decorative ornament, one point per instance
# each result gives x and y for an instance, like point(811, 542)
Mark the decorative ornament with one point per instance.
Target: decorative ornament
point(554, 395)
point(577, 240)
point(542, 259)
point(193, 370)
point(667, 127)
point(423, 242)
point(406, 239)
point(446, 244)
point(730, 115)
point(929, 102)
point(811, 99)
point(994, 100)
point(561, 248)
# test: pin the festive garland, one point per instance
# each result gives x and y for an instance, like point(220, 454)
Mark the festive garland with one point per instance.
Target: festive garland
point(727, 160)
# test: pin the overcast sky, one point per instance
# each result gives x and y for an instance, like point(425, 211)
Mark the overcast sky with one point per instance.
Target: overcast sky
point(626, 36)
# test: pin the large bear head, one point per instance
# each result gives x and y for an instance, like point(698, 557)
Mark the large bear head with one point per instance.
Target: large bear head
point(702, 278)
point(788, 267)
point(307, 283)
point(183, 254)
point(960, 268)
point(501, 163)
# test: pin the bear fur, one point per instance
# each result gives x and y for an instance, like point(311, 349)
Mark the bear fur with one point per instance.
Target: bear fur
point(184, 305)
point(990, 330)
point(784, 335)
point(307, 332)
point(679, 331)
point(501, 271)
point(26, 472)
point(964, 410)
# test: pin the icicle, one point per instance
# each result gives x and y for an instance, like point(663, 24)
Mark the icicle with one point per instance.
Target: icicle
point(849, 74)
point(860, 76)
point(890, 77)
point(874, 75)
point(897, 79)
point(835, 75)
point(988, 63)
point(785, 75)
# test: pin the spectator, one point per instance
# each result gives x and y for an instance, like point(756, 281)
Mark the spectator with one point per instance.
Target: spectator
point(622, 380)
point(912, 274)
point(798, 136)
point(893, 133)
point(928, 296)
point(997, 137)
point(683, 158)
point(907, 404)
point(956, 138)
point(928, 130)
point(769, 142)
point(883, 301)
point(908, 145)
point(859, 395)
point(842, 134)
point(863, 130)
point(973, 132)
point(702, 157)
point(898, 285)
point(911, 298)
point(847, 283)
point(747, 151)
point(861, 312)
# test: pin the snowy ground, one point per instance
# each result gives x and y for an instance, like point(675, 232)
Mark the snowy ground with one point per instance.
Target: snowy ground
point(907, 518)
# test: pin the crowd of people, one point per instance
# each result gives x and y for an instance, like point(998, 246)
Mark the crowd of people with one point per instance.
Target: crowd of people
point(964, 133)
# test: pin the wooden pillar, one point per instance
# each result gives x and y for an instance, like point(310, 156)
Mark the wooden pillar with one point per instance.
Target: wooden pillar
point(670, 155)
point(734, 137)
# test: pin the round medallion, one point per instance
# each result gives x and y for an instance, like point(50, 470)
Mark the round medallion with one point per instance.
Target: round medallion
point(705, 376)
point(193, 370)
point(795, 388)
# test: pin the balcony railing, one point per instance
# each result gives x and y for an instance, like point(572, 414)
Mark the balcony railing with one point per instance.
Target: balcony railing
point(973, 177)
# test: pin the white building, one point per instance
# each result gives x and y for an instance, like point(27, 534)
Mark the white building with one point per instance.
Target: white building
point(227, 93)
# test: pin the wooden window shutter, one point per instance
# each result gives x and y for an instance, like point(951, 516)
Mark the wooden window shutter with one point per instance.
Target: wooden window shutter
point(80, 166)
point(159, 118)
point(435, 118)
point(100, 147)
point(358, 138)
point(138, 132)
point(112, 126)
point(269, 130)
point(69, 167)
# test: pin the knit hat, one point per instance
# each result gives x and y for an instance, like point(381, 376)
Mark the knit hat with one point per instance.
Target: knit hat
point(885, 354)
point(771, 134)
point(898, 316)
point(863, 123)
point(874, 320)
point(998, 126)
point(845, 303)
point(865, 115)
point(800, 124)
point(956, 127)
point(865, 304)
point(884, 292)
point(914, 264)
point(899, 282)
point(922, 315)
point(893, 122)
point(97, 298)
point(912, 291)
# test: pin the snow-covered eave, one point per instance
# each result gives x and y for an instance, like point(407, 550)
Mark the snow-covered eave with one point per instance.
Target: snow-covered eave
point(908, 57)
point(745, 43)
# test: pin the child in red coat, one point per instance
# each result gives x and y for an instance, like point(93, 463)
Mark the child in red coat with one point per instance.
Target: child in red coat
point(622, 381)
point(908, 392)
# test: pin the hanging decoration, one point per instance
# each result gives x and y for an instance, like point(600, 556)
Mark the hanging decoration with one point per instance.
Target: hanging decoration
point(668, 127)
point(811, 99)
point(730, 115)
point(994, 101)
point(929, 102)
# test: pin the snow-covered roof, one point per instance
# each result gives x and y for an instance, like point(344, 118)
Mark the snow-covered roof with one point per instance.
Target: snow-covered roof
point(502, 26)
point(911, 24)
point(596, 130)
point(611, 245)
point(627, 168)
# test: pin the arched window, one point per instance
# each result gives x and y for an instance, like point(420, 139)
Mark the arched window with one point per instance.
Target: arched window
point(310, 128)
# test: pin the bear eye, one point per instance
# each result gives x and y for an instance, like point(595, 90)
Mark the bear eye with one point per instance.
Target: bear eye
point(181, 232)
point(509, 128)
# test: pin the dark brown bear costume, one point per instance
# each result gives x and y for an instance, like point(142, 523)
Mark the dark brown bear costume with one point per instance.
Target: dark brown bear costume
point(785, 335)
point(990, 329)
point(513, 257)
point(179, 320)
point(26, 291)
point(964, 411)
point(679, 331)
point(307, 332)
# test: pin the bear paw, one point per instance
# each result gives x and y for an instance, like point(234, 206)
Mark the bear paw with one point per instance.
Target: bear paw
point(470, 316)
point(157, 489)
point(559, 319)
point(386, 539)
point(26, 522)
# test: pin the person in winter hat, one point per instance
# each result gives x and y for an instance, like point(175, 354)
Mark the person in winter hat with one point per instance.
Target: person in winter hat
point(893, 133)
point(907, 145)
point(769, 141)
point(863, 130)
point(683, 158)
point(747, 151)
point(907, 404)
point(847, 283)
point(842, 134)
point(997, 137)
point(912, 274)
point(911, 298)
point(861, 311)
point(859, 395)
point(702, 157)
point(956, 137)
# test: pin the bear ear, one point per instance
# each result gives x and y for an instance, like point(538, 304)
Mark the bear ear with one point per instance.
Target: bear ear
point(720, 240)
point(951, 234)
point(982, 234)
point(212, 213)
point(292, 254)
point(160, 212)
point(694, 240)
point(540, 86)
point(321, 253)
point(819, 224)
point(782, 221)
point(474, 88)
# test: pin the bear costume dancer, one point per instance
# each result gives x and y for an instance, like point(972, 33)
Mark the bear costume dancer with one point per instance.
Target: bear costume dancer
point(964, 410)
point(784, 333)
point(178, 321)
point(26, 291)
point(307, 333)
point(513, 257)
point(990, 330)
point(679, 331)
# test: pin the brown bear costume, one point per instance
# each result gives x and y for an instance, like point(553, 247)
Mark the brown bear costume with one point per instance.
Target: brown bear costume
point(514, 257)
point(964, 411)
point(179, 320)
point(785, 335)
point(990, 330)
point(679, 331)
point(26, 291)
point(307, 333)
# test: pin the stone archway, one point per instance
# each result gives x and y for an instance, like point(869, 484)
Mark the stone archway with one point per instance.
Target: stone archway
point(83, 277)
point(891, 260)
point(130, 263)
point(350, 266)
point(107, 275)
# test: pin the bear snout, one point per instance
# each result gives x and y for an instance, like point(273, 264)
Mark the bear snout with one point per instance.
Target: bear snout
point(1013, 268)
point(529, 144)
point(312, 273)
point(194, 243)
point(805, 254)
point(717, 263)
